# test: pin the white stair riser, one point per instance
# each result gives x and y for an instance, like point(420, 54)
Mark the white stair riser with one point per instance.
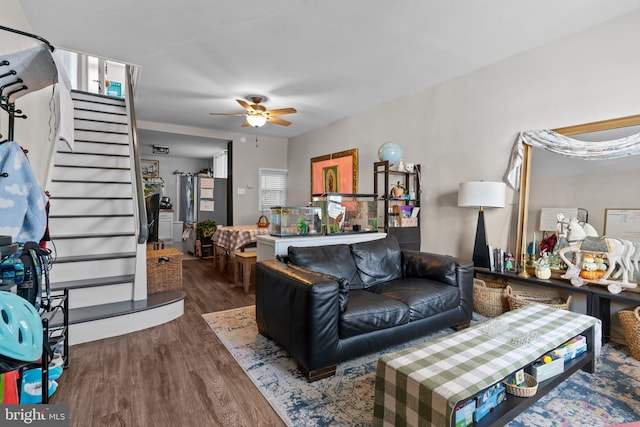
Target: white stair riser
point(100, 126)
point(114, 326)
point(91, 160)
point(95, 147)
point(73, 189)
point(66, 226)
point(86, 297)
point(86, 174)
point(100, 107)
point(67, 271)
point(91, 206)
point(94, 246)
point(96, 115)
point(85, 135)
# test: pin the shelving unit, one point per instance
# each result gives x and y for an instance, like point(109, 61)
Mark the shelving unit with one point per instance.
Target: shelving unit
point(54, 313)
point(383, 179)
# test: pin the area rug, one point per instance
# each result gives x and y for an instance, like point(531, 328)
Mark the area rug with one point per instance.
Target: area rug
point(606, 398)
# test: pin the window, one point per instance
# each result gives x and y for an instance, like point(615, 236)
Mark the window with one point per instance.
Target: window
point(220, 164)
point(273, 188)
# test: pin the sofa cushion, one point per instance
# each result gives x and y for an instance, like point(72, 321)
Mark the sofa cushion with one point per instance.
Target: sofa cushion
point(369, 311)
point(424, 297)
point(430, 266)
point(335, 260)
point(378, 260)
point(343, 284)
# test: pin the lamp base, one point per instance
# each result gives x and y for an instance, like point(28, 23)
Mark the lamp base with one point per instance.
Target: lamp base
point(480, 250)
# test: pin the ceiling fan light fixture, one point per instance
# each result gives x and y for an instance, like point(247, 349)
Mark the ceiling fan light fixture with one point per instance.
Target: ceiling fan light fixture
point(256, 121)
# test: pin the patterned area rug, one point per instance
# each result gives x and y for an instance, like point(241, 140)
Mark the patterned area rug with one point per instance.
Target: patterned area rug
point(607, 398)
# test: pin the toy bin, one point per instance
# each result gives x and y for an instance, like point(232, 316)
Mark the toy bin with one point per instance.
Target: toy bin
point(164, 270)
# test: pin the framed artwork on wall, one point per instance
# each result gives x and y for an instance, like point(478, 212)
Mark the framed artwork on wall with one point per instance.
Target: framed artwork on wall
point(330, 179)
point(150, 168)
point(335, 173)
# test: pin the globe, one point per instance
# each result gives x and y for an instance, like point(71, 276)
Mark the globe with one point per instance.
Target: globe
point(390, 152)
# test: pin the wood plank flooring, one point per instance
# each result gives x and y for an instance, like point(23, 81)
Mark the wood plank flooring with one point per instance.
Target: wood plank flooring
point(176, 374)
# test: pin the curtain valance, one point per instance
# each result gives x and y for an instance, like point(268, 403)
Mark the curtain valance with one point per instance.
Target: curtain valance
point(570, 147)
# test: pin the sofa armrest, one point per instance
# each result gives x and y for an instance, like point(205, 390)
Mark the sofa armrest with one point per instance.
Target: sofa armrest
point(299, 310)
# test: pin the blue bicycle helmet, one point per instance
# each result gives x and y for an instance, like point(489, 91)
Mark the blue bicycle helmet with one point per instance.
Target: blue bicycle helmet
point(20, 330)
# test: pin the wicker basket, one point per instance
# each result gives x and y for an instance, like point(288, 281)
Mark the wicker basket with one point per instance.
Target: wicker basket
point(518, 299)
point(263, 222)
point(490, 297)
point(630, 320)
point(529, 388)
point(164, 270)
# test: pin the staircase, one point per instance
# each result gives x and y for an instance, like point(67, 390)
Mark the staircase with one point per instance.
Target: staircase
point(93, 226)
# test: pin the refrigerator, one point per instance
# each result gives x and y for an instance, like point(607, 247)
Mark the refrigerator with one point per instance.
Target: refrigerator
point(200, 198)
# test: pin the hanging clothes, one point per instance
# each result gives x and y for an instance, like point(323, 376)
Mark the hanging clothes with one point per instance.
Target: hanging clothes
point(22, 201)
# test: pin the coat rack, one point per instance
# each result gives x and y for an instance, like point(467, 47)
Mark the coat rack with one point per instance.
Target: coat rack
point(23, 72)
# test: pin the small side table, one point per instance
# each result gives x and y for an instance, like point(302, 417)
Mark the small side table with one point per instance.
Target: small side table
point(244, 262)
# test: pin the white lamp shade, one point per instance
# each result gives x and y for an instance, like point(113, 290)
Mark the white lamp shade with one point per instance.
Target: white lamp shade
point(482, 194)
point(256, 121)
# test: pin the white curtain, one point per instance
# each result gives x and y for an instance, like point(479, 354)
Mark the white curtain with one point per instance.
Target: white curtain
point(574, 148)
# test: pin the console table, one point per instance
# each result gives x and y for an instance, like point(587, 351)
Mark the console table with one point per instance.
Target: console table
point(421, 385)
point(598, 297)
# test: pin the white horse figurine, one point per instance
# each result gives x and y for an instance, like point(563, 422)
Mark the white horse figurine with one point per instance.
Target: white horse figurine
point(617, 251)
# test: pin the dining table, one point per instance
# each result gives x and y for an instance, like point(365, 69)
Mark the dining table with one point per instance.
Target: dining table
point(232, 238)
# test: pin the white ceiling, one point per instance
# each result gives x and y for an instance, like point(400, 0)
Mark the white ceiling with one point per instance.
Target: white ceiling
point(328, 59)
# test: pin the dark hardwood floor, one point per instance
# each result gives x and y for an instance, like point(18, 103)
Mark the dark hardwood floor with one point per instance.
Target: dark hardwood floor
point(176, 374)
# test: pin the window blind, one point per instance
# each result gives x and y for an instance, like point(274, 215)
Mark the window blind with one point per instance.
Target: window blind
point(273, 188)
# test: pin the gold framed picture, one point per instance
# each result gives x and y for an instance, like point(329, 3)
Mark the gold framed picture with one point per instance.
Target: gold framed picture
point(337, 171)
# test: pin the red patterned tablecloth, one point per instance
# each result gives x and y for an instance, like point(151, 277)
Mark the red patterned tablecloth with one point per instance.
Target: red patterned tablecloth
point(234, 237)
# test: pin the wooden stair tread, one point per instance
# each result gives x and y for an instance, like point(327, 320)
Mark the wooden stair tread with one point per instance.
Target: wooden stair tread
point(81, 258)
point(93, 282)
point(91, 236)
point(115, 309)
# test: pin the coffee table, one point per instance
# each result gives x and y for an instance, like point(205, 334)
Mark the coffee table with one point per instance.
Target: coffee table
point(421, 385)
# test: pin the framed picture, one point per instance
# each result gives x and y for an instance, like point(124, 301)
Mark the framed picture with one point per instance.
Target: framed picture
point(330, 179)
point(622, 223)
point(150, 168)
point(335, 173)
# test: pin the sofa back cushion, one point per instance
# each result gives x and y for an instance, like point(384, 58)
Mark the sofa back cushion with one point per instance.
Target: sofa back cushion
point(378, 260)
point(335, 260)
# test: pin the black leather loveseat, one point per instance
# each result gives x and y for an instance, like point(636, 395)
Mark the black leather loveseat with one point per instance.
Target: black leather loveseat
point(328, 304)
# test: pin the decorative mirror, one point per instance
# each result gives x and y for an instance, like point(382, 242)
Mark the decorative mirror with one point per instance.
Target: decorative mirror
point(596, 185)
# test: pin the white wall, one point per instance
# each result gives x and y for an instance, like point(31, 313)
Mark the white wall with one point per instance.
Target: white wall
point(32, 133)
point(247, 159)
point(464, 129)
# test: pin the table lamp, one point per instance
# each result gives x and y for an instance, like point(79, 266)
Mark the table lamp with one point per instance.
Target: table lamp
point(481, 194)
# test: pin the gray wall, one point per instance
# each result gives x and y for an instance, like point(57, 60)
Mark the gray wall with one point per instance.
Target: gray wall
point(169, 164)
point(464, 129)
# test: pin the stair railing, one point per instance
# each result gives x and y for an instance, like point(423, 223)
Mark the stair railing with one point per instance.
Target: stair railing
point(141, 211)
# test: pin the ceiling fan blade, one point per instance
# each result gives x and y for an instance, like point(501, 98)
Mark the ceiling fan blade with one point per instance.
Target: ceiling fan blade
point(245, 105)
point(278, 121)
point(281, 111)
point(223, 114)
point(245, 124)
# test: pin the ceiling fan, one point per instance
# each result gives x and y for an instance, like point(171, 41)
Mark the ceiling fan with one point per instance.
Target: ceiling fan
point(257, 114)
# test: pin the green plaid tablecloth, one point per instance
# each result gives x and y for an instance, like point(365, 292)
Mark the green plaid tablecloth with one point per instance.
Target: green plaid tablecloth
point(420, 386)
